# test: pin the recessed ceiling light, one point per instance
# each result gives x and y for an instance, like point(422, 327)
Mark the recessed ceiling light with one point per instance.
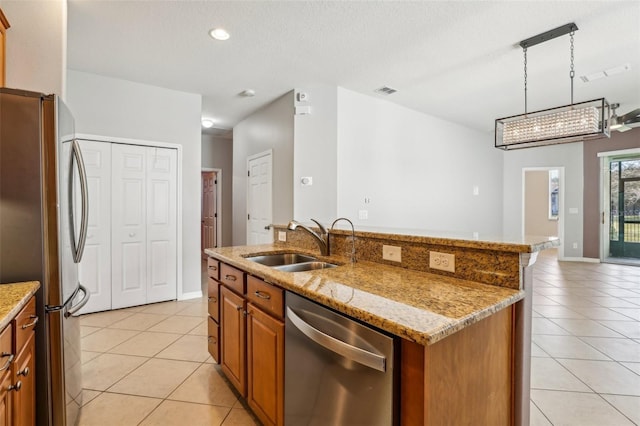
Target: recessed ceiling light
point(219, 34)
point(207, 123)
point(385, 90)
point(248, 93)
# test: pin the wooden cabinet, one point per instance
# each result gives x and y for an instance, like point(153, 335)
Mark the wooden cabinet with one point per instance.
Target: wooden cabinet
point(265, 366)
point(4, 25)
point(251, 314)
point(233, 355)
point(17, 369)
point(213, 293)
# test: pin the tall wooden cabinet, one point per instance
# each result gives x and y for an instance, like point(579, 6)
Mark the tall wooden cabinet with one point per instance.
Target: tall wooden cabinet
point(4, 25)
point(131, 251)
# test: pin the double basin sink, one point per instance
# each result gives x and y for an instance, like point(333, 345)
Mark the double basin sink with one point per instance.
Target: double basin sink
point(291, 262)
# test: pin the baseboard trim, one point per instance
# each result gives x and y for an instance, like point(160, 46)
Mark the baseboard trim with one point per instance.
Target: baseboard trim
point(190, 295)
point(579, 259)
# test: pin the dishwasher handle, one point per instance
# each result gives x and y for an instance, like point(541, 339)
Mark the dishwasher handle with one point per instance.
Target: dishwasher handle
point(361, 356)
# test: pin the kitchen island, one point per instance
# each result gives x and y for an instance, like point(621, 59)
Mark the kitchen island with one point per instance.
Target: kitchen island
point(465, 335)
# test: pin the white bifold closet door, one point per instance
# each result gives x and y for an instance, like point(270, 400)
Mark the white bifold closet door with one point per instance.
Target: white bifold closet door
point(143, 222)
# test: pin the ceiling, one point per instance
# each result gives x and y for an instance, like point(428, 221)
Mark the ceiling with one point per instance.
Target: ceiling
point(457, 60)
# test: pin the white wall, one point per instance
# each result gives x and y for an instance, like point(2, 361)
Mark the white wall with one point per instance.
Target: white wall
point(217, 153)
point(315, 155)
point(268, 128)
point(568, 156)
point(36, 45)
point(118, 108)
point(417, 170)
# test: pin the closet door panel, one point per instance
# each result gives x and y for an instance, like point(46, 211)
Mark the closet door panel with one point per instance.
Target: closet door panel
point(161, 224)
point(128, 219)
point(95, 269)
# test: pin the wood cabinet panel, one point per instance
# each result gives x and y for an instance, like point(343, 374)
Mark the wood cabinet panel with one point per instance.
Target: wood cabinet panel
point(23, 404)
point(25, 324)
point(232, 278)
point(213, 268)
point(233, 353)
point(213, 293)
point(5, 402)
point(265, 366)
point(4, 25)
point(213, 339)
point(268, 297)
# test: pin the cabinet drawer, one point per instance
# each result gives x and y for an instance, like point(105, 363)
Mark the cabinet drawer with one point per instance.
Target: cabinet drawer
point(214, 298)
point(213, 341)
point(25, 323)
point(267, 296)
point(213, 268)
point(232, 278)
point(5, 349)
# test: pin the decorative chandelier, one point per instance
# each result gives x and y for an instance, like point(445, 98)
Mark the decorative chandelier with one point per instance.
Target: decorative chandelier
point(570, 123)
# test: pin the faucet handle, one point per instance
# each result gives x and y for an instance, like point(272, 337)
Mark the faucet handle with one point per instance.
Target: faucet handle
point(322, 228)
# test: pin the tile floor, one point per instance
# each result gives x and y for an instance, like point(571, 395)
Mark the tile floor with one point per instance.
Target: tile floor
point(149, 365)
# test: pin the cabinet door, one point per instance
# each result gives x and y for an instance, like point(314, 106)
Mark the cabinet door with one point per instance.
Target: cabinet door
point(161, 224)
point(265, 366)
point(95, 269)
point(24, 399)
point(233, 346)
point(5, 401)
point(128, 219)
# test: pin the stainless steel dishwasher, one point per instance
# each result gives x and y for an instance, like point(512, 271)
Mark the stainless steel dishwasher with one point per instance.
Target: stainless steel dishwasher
point(337, 370)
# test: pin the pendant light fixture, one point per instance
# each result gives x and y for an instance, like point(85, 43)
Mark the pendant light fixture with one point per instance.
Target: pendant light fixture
point(570, 123)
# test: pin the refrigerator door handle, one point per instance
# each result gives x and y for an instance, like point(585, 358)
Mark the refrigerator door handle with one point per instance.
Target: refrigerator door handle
point(78, 248)
point(73, 309)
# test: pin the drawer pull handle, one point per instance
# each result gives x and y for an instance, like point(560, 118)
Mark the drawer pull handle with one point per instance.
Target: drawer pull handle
point(213, 268)
point(213, 299)
point(230, 277)
point(262, 295)
point(9, 361)
point(212, 339)
point(238, 308)
point(15, 387)
point(24, 372)
point(31, 324)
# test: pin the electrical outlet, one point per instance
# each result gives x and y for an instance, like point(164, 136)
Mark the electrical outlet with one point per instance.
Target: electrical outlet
point(363, 214)
point(575, 245)
point(282, 236)
point(442, 261)
point(392, 253)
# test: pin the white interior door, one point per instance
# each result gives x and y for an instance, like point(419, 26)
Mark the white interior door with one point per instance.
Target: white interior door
point(129, 198)
point(259, 199)
point(95, 269)
point(161, 224)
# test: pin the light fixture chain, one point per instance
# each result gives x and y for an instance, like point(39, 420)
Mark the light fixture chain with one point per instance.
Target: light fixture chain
point(524, 49)
point(572, 73)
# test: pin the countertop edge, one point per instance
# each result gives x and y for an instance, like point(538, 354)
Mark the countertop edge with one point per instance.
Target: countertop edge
point(11, 304)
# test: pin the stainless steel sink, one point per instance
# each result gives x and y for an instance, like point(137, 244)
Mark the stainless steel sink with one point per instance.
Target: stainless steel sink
point(281, 259)
point(306, 266)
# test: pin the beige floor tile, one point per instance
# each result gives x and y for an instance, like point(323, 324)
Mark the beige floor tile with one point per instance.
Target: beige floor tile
point(577, 409)
point(617, 349)
point(115, 409)
point(177, 324)
point(139, 321)
point(630, 329)
point(201, 329)
point(104, 319)
point(601, 314)
point(613, 302)
point(87, 356)
point(175, 413)
point(536, 417)
point(627, 405)
point(588, 328)
point(102, 372)
point(194, 310)
point(105, 339)
point(546, 326)
point(547, 373)
point(537, 352)
point(86, 330)
point(631, 313)
point(205, 386)
point(240, 417)
point(633, 366)
point(147, 343)
point(88, 396)
point(604, 376)
point(557, 312)
point(156, 378)
point(187, 348)
point(567, 347)
point(166, 308)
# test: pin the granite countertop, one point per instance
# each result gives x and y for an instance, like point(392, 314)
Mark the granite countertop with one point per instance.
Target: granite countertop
point(414, 305)
point(13, 297)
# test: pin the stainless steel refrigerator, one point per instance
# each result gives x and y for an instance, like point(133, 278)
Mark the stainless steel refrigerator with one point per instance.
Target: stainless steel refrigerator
point(43, 223)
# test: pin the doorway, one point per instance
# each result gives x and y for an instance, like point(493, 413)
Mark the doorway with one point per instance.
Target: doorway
point(210, 202)
point(621, 215)
point(259, 198)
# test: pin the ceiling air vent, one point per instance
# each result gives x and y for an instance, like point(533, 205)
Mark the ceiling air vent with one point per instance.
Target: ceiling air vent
point(385, 90)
